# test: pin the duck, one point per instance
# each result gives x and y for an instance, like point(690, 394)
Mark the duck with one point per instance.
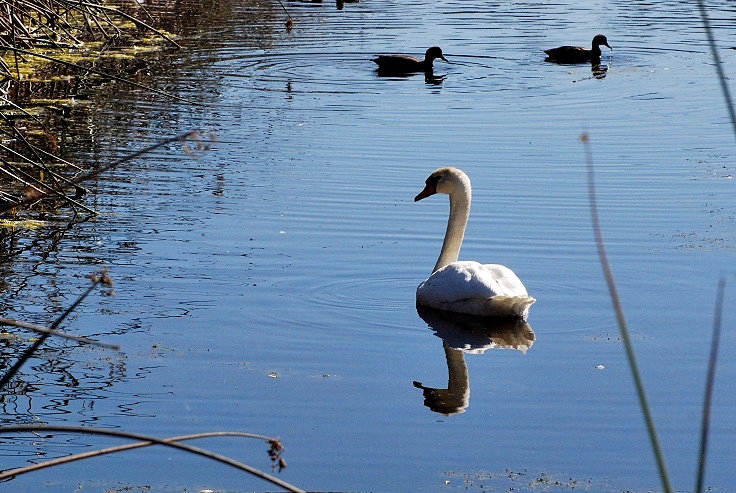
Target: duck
point(578, 54)
point(405, 64)
point(469, 287)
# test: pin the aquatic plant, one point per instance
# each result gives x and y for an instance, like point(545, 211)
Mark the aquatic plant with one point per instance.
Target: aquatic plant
point(618, 309)
point(621, 320)
point(629, 348)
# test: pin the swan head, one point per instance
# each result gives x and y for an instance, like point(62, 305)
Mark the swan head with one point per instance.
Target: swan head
point(445, 180)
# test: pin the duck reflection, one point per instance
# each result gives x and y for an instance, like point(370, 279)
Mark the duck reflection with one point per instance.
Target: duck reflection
point(599, 70)
point(429, 76)
point(435, 80)
point(341, 3)
point(461, 334)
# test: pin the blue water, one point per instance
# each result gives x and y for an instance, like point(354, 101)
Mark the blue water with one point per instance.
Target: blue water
point(267, 284)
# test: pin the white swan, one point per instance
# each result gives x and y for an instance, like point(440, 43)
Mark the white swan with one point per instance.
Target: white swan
point(467, 287)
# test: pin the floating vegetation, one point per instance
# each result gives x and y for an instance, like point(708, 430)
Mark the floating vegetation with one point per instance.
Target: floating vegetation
point(22, 223)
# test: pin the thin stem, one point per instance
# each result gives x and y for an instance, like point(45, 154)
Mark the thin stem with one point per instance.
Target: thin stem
point(709, 384)
point(192, 135)
point(705, 425)
point(167, 442)
point(610, 281)
point(57, 333)
point(126, 16)
point(283, 7)
point(718, 63)
point(101, 73)
point(42, 338)
point(11, 473)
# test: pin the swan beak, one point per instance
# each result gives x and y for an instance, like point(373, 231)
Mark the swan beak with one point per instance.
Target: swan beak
point(428, 190)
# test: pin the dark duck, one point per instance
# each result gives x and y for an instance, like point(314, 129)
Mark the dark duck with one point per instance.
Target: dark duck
point(578, 54)
point(405, 64)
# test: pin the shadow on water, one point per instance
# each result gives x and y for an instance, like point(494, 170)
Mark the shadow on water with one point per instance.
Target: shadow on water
point(466, 334)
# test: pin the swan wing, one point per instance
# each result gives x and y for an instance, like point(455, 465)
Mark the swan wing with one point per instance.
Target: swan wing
point(508, 282)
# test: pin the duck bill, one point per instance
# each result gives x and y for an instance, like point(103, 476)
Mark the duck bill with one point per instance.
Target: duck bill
point(445, 59)
point(428, 190)
point(609, 47)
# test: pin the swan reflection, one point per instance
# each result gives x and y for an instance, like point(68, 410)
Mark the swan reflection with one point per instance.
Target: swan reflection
point(461, 334)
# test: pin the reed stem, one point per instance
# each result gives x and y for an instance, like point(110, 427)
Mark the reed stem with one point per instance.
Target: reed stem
point(709, 385)
point(610, 281)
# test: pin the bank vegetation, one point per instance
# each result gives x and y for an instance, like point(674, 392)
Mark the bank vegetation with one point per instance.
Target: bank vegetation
point(53, 54)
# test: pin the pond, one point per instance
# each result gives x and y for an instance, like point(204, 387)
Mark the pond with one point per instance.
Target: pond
point(268, 284)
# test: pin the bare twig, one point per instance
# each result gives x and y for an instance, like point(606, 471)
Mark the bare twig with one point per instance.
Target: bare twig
point(289, 21)
point(126, 16)
point(610, 281)
point(145, 440)
point(193, 135)
point(101, 73)
point(44, 330)
point(97, 279)
point(27, 179)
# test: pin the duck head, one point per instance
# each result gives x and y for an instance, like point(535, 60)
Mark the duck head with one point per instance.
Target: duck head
point(600, 40)
point(434, 53)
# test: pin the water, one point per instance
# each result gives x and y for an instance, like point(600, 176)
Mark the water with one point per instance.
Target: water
point(267, 285)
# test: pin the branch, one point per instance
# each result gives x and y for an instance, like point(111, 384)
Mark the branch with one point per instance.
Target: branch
point(149, 440)
point(64, 335)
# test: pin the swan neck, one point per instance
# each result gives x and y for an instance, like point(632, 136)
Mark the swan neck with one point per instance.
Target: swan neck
point(458, 220)
point(458, 382)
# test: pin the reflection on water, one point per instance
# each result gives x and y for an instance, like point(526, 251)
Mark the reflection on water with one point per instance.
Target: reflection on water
point(466, 334)
point(432, 79)
point(341, 3)
point(57, 382)
point(599, 70)
point(429, 76)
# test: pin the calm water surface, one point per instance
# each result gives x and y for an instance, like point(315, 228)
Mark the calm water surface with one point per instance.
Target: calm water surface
point(267, 285)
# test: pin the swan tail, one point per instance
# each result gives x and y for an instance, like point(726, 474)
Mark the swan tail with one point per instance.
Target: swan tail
point(496, 306)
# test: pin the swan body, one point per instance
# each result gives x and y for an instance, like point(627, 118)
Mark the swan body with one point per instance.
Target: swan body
point(578, 54)
point(476, 289)
point(405, 64)
point(467, 287)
